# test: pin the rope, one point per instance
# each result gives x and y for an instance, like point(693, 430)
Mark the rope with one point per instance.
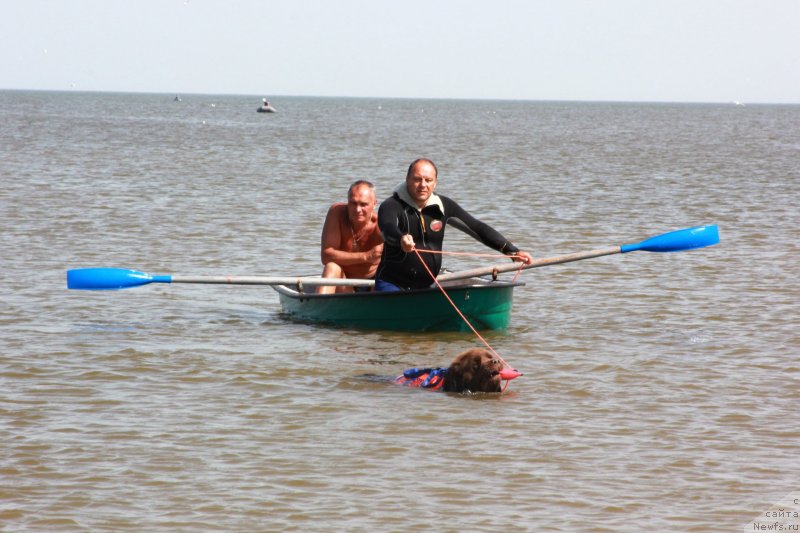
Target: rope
point(464, 318)
point(472, 254)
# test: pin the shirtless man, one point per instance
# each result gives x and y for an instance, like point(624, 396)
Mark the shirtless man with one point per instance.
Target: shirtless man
point(351, 242)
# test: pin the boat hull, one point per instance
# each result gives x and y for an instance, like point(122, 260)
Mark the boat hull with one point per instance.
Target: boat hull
point(486, 304)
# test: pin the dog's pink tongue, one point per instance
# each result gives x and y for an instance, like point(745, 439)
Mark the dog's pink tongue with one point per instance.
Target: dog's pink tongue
point(509, 373)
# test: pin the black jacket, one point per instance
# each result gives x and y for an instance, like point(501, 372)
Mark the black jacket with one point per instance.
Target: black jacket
point(397, 218)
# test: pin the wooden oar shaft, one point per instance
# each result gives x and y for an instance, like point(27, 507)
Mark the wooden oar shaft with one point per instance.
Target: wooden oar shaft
point(511, 267)
point(262, 280)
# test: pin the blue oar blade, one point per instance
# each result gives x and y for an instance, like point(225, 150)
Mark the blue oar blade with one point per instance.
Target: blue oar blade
point(96, 279)
point(676, 241)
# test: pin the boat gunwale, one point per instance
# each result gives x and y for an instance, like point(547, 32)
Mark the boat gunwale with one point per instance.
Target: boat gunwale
point(477, 283)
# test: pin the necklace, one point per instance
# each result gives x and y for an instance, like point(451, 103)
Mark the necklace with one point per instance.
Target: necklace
point(357, 236)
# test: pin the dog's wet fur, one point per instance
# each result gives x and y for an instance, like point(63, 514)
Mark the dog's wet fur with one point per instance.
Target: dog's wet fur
point(475, 370)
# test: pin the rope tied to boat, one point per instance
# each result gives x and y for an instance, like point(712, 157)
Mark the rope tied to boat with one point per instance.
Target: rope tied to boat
point(452, 303)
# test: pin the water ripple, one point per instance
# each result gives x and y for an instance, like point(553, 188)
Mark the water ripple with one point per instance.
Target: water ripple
point(659, 393)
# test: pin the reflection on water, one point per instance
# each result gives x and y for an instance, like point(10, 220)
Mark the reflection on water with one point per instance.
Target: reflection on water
point(659, 389)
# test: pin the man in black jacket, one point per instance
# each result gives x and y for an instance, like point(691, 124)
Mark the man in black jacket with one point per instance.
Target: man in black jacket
point(415, 217)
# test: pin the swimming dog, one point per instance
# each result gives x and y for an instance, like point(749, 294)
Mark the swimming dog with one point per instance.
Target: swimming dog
point(475, 370)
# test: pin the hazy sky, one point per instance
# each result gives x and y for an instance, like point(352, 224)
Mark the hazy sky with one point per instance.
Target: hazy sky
point(640, 50)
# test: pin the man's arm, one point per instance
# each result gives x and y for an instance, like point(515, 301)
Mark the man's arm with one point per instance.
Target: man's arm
point(462, 220)
point(477, 229)
point(389, 221)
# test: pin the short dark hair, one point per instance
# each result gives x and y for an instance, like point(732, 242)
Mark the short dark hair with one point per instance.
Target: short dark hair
point(422, 160)
point(359, 183)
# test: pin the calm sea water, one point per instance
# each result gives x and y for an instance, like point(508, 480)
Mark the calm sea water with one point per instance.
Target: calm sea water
point(660, 390)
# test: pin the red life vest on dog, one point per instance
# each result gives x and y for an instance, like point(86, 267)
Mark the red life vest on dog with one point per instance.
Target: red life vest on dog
point(424, 378)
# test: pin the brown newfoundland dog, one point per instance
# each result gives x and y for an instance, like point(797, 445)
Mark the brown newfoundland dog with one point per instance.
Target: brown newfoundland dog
point(475, 370)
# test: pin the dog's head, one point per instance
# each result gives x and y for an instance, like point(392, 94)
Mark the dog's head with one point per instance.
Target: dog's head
point(475, 370)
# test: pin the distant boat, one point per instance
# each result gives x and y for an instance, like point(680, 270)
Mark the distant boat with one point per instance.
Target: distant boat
point(266, 107)
point(177, 98)
point(738, 103)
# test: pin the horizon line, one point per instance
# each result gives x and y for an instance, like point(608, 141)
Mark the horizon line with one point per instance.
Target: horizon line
point(429, 98)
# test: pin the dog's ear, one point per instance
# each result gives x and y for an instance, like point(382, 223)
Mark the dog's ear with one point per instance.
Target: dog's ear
point(459, 375)
point(478, 360)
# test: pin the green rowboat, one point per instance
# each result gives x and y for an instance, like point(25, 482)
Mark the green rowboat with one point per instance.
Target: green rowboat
point(485, 303)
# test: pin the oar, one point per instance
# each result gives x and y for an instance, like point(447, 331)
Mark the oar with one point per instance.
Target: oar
point(674, 241)
point(120, 278)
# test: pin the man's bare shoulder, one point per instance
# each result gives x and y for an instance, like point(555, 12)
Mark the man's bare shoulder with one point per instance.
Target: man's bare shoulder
point(338, 207)
point(337, 211)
